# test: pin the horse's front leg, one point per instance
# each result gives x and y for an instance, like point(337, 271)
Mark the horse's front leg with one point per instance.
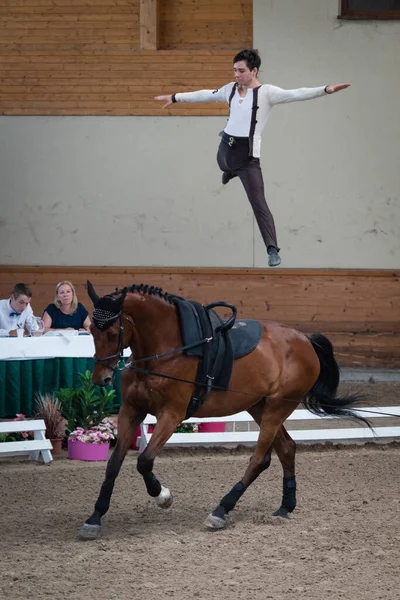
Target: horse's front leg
point(164, 428)
point(128, 421)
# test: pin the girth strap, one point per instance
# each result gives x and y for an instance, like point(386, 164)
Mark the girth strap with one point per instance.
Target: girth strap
point(203, 369)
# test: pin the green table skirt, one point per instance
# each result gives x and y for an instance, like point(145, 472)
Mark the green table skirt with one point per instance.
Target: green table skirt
point(20, 380)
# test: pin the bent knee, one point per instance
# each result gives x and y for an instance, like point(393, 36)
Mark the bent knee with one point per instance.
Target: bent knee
point(144, 464)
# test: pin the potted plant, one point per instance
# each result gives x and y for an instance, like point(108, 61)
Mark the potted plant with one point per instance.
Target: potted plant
point(48, 408)
point(86, 405)
point(87, 409)
point(92, 443)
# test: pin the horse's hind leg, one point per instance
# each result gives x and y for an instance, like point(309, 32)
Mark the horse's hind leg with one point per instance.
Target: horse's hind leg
point(274, 414)
point(285, 448)
point(128, 421)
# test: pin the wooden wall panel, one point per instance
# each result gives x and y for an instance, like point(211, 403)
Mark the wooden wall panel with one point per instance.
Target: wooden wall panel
point(83, 57)
point(190, 24)
point(359, 310)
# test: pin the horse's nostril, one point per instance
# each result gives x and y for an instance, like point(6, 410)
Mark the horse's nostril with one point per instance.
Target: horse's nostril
point(107, 381)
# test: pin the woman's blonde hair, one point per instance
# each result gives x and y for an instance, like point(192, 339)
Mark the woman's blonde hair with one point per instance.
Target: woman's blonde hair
point(74, 303)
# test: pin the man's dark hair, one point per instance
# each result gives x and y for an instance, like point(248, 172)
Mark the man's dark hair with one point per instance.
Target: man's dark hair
point(20, 289)
point(250, 57)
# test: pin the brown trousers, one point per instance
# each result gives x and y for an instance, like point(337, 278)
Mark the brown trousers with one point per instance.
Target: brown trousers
point(236, 159)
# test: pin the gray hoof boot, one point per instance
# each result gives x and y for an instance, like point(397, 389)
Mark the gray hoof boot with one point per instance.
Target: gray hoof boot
point(89, 532)
point(214, 522)
point(281, 512)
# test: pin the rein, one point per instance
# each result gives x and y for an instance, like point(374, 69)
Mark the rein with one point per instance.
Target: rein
point(130, 365)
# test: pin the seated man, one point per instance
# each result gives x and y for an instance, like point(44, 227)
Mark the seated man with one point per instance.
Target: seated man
point(16, 311)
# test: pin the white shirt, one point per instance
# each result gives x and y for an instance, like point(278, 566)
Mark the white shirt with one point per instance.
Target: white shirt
point(7, 323)
point(240, 115)
point(268, 97)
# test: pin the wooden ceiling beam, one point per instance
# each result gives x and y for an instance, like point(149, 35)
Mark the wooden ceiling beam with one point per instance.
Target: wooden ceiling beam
point(149, 24)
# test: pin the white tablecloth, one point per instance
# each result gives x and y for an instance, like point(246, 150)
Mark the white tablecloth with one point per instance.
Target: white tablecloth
point(79, 346)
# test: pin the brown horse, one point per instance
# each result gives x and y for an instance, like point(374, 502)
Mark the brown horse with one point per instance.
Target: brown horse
point(285, 369)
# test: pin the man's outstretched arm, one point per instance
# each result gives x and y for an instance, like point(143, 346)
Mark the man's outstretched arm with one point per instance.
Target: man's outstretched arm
point(199, 96)
point(277, 95)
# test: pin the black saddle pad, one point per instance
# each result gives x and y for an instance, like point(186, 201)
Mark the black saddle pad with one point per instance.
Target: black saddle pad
point(245, 336)
point(216, 357)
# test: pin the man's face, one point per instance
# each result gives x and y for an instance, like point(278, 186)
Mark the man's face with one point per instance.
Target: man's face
point(243, 74)
point(19, 303)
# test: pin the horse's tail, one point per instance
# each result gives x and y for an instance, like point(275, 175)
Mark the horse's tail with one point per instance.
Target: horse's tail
point(322, 399)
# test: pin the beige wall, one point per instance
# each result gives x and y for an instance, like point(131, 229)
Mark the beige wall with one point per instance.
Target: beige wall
point(147, 191)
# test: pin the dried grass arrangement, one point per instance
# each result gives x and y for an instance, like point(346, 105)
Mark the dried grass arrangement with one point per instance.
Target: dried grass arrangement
point(48, 408)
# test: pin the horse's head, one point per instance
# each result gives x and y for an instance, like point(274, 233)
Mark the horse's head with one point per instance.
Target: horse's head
point(110, 334)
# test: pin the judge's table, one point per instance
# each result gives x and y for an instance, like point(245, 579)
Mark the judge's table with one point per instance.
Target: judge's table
point(44, 364)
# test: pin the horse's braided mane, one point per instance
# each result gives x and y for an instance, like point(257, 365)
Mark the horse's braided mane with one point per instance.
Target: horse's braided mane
point(151, 290)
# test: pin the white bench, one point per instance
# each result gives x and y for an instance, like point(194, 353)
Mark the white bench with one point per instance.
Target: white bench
point(299, 435)
point(33, 448)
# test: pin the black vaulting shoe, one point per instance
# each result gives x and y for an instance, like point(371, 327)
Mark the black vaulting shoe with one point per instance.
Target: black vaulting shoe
point(227, 176)
point(274, 260)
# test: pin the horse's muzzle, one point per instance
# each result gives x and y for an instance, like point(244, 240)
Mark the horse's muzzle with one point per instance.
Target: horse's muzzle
point(102, 376)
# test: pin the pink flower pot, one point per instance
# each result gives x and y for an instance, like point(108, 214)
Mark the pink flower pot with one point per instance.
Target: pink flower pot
point(211, 427)
point(79, 451)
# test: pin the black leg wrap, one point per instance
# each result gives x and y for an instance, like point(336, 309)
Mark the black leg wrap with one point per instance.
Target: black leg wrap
point(229, 501)
point(103, 502)
point(94, 519)
point(288, 498)
point(153, 486)
point(145, 468)
point(289, 493)
point(219, 512)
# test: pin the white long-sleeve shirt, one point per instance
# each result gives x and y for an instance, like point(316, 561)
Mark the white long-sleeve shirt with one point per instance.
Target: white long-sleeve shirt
point(248, 115)
point(8, 323)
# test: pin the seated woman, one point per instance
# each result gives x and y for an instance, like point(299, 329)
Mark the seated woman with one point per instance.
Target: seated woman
point(66, 312)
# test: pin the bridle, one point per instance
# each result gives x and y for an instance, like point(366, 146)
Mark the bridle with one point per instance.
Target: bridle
point(119, 355)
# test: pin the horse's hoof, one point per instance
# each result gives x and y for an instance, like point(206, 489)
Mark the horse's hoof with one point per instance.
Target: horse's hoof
point(89, 532)
point(214, 522)
point(281, 512)
point(164, 498)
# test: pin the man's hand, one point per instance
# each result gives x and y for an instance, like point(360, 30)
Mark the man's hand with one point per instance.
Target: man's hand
point(337, 87)
point(167, 99)
point(13, 332)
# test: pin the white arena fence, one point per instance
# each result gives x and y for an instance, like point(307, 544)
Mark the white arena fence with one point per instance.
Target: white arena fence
point(327, 434)
point(40, 445)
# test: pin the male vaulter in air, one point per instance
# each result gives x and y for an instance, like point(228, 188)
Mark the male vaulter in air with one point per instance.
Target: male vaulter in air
point(250, 104)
